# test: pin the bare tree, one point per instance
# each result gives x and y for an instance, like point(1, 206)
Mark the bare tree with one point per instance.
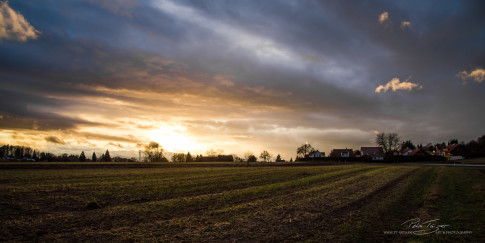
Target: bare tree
point(154, 152)
point(304, 150)
point(266, 156)
point(214, 152)
point(178, 157)
point(388, 141)
point(394, 141)
point(247, 155)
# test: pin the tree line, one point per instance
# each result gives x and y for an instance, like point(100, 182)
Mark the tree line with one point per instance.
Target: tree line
point(27, 154)
point(153, 152)
point(391, 142)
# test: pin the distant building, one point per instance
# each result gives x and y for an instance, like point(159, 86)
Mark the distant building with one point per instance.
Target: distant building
point(456, 150)
point(376, 153)
point(419, 152)
point(406, 152)
point(316, 154)
point(357, 154)
point(219, 158)
point(341, 153)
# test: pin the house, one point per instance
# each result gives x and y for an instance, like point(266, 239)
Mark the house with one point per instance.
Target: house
point(406, 152)
point(357, 154)
point(376, 153)
point(456, 149)
point(316, 154)
point(439, 152)
point(419, 152)
point(341, 153)
point(219, 158)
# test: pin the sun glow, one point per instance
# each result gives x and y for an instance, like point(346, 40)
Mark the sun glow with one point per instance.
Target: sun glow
point(173, 139)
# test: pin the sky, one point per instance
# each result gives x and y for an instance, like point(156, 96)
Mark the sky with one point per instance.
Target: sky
point(240, 76)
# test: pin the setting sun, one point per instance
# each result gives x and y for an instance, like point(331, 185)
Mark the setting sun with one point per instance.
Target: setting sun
point(173, 139)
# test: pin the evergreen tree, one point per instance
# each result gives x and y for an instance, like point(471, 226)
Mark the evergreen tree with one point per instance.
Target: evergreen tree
point(94, 158)
point(453, 141)
point(189, 157)
point(35, 156)
point(107, 157)
point(407, 144)
point(82, 157)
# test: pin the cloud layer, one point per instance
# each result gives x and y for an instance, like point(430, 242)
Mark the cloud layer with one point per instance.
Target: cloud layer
point(239, 75)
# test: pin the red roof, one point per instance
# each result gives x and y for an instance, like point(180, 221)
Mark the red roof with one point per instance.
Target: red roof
point(415, 151)
point(405, 150)
point(451, 147)
point(338, 152)
point(372, 151)
point(343, 150)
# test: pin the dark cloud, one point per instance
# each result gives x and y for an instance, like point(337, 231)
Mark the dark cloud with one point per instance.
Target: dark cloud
point(55, 140)
point(115, 144)
point(25, 110)
point(105, 137)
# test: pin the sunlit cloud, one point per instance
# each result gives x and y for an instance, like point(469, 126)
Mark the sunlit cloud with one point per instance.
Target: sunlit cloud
point(384, 18)
point(13, 25)
point(477, 75)
point(395, 84)
point(405, 25)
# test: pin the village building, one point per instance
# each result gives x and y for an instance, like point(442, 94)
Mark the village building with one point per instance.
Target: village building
point(342, 153)
point(456, 149)
point(316, 154)
point(419, 152)
point(376, 153)
point(219, 158)
point(357, 154)
point(406, 152)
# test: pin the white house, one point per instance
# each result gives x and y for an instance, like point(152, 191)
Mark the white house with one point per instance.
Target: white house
point(316, 154)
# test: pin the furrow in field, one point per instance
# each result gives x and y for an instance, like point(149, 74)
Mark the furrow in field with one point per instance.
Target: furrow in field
point(304, 192)
point(294, 216)
point(214, 200)
point(382, 211)
point(108, 176)
point(70, 199)
point(129, 214)
point(211, 220)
